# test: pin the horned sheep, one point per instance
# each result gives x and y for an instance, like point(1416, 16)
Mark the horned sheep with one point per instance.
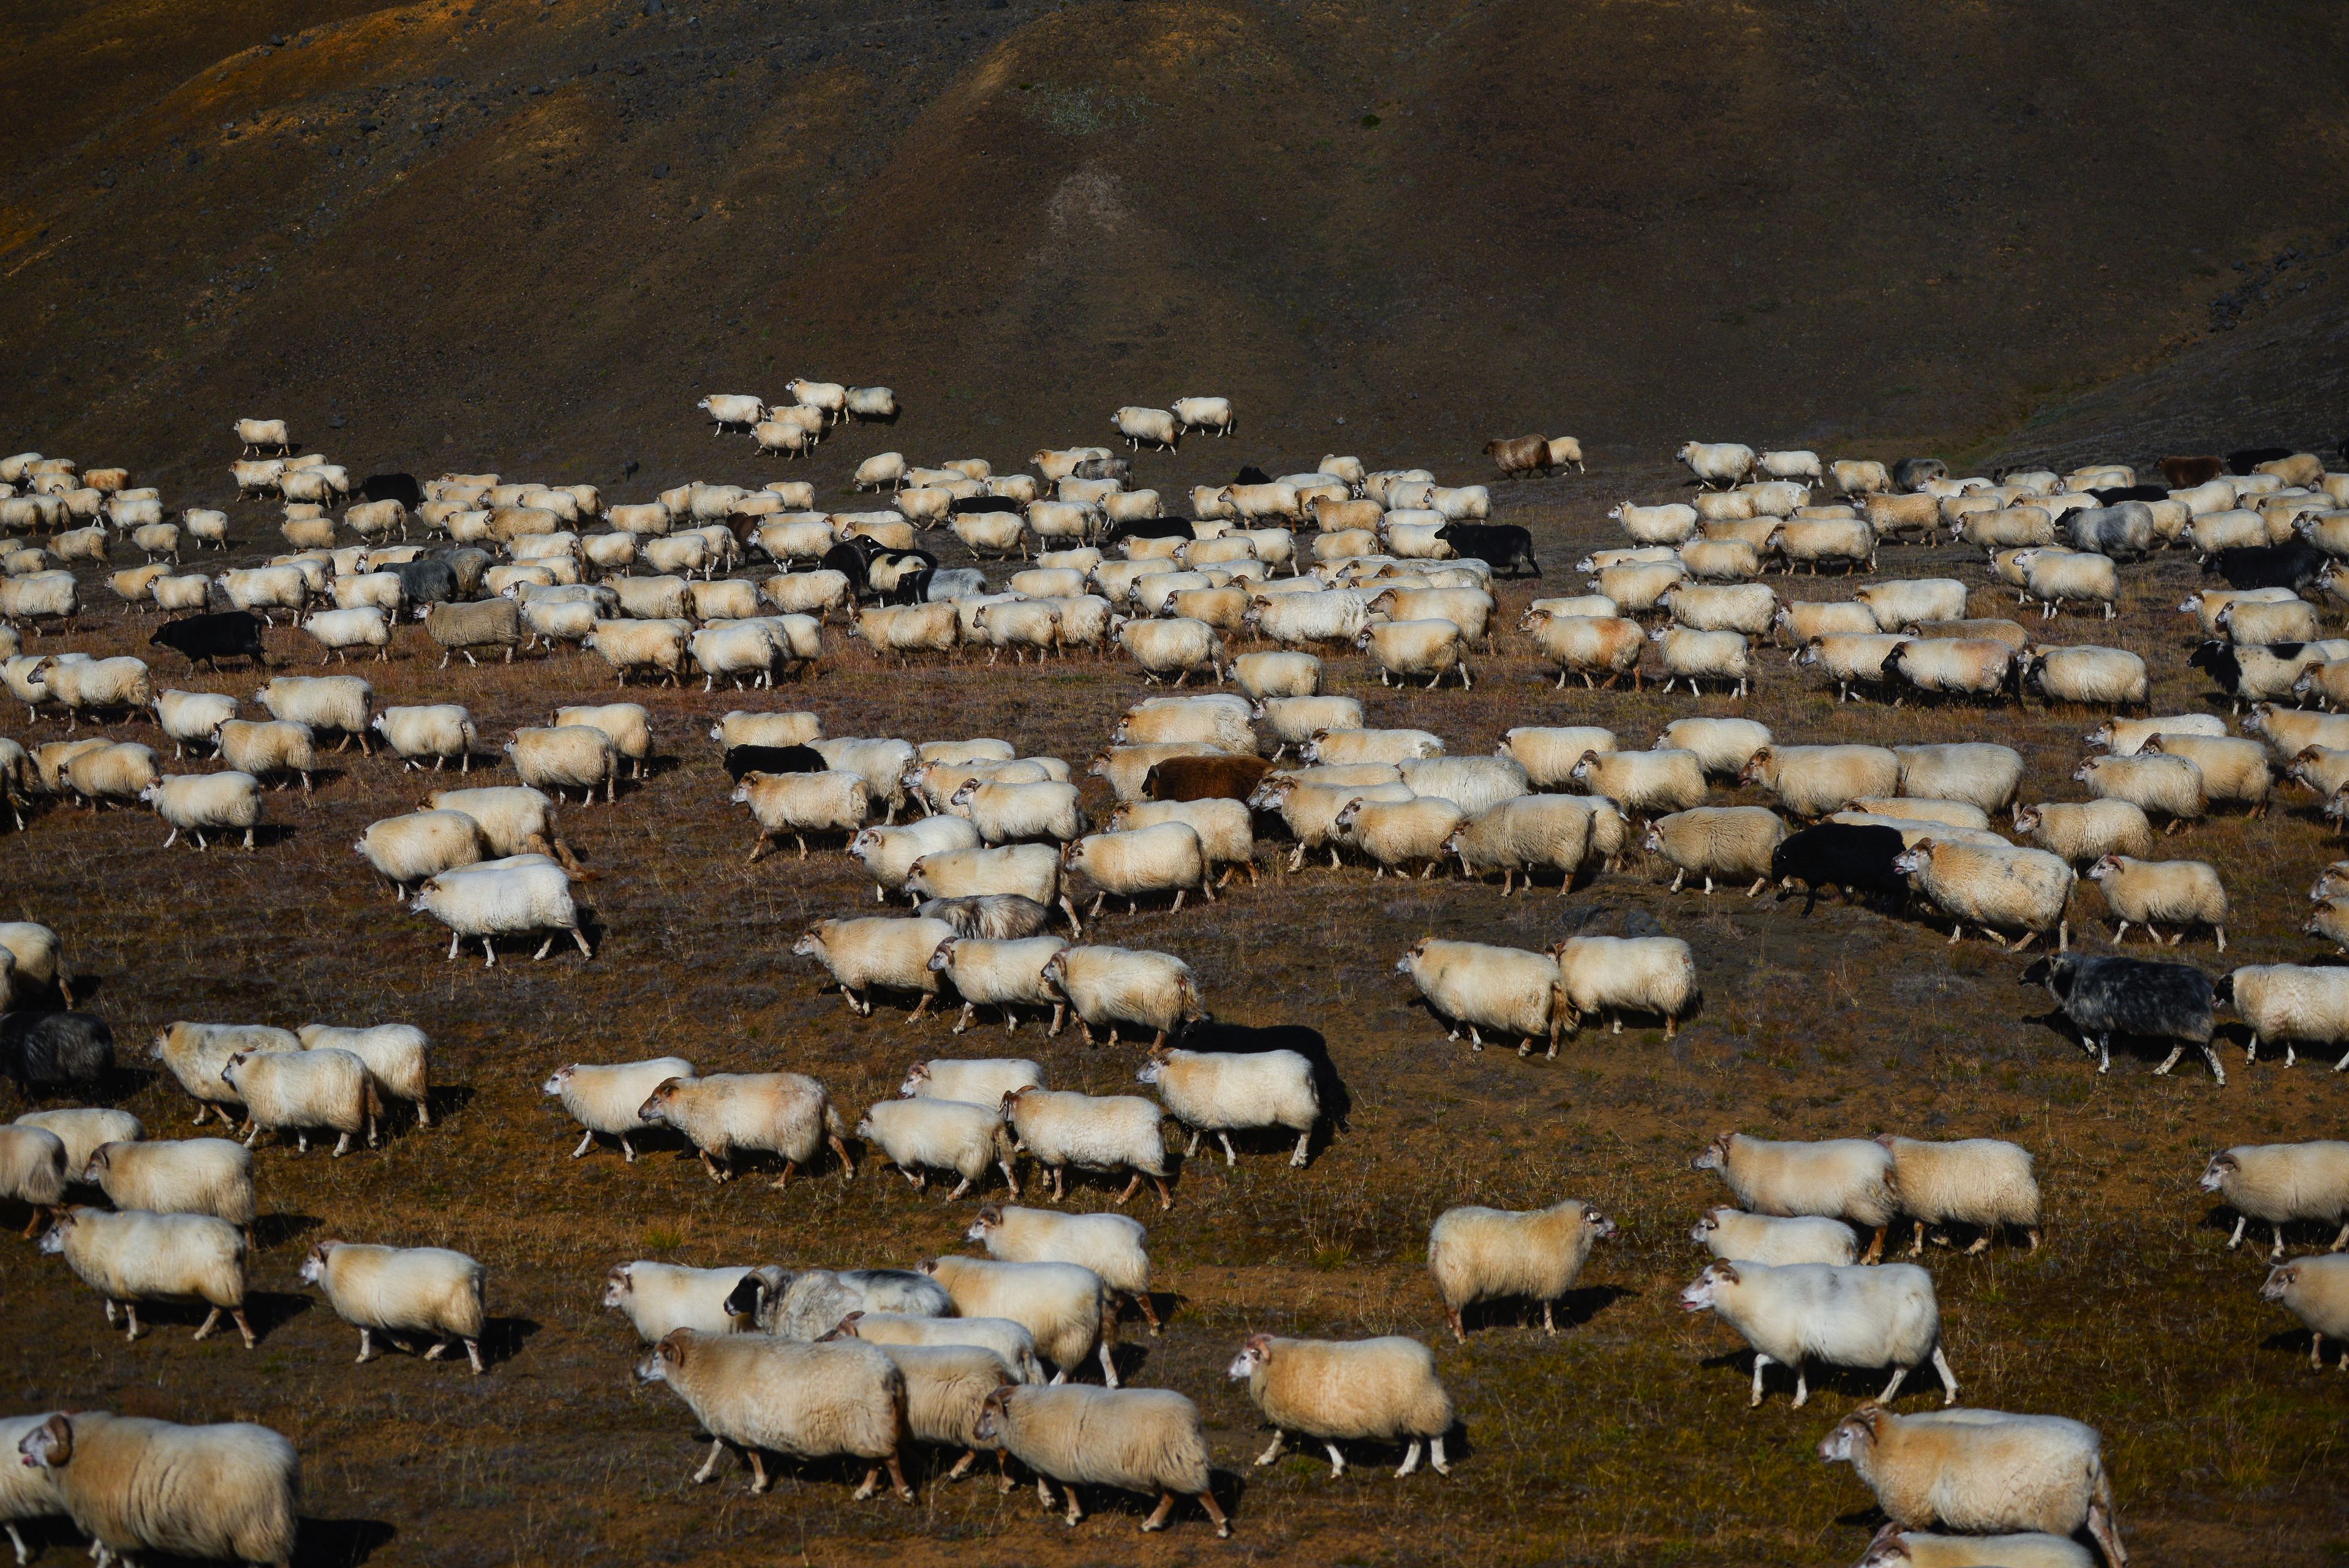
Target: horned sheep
point(135, 1484)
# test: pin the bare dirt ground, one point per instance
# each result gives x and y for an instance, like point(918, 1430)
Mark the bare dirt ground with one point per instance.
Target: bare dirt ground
point(1624, 1439)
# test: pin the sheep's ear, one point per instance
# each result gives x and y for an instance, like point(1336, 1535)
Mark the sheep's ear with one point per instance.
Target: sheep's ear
point(1727, 1272)
point(60, 1432)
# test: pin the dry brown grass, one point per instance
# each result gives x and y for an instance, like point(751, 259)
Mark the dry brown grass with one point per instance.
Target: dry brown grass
point(1623, 1441)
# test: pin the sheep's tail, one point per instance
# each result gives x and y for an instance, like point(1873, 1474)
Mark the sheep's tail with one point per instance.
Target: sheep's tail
point(2103, 1522)
point(540, 844)
point(1108, 1316)
point(832, 1122)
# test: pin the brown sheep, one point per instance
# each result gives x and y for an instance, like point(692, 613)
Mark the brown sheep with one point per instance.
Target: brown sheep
point(1204, 778)
point(2185, 473)
point(1519, 455)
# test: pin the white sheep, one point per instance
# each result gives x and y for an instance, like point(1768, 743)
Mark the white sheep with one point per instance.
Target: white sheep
point(2147, 893)
point(887, 854)
point(757, 1395)
point(1607, 977)
point(2292, 1002)
point(1742, 1237)
point(392, 1291)
point(605, 1098)
point(1065, 1307)
point(2083, 831)
point(1222, 1091)
point(658, 1298)
point(1655, 782)
point(33, 1171)
point(1548, 754)
point(2315, 1291)
point(1847, 1179)
point(396, 1057)
point(1003, 974)
point(323, 703)
point(187, 1176)
point(1979, 1181)
point(189, 717)
point(1137, 862)
point(136, 1256)
point(198, 803)
point(1139, 1439)
point(1110, 1246)
point(298, 1091)
point(829, 801)
point(1844, 1316)
point(421, 845)
point(135, 1484)
point(921, 1135)
point(514, 819)
point(1812, 781)
point(1896, 1548)
point(2280, 1182)
point(1484, 1254)
point(1398, 833)
point(1375, 1389)
point(1027, 870)
point(518, 893)
point(1530, 833)
point(442, 731)
point(194, 1054)
point(1478, 987)
point(1106, 1132)
point(781, 1113)
point(267, 747)
point(876, 953)
point(1982, 1470)
point(1982, 774)
point(1733, 842)
point(1992, 887)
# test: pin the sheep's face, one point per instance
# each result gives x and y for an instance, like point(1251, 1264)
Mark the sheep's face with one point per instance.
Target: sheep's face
point(230, 1069)
point(2026, 818)
point(617, 1286)
point(1842, 1445)
point(2108, 866)
point(2279, 1281)
point(656, 1104)
point(918, 1074)
point(314, 1263)
point(991, 1415)
point(49, 1446)
point(53, 1240)
point(1599, 1223)
point(1908, 862)
point(1703, 1293)
point(811, 942)
point(667, 1357)
point(1148, 1072)
point(98, 1160)
point(1715, 1156)
point(2221, 1170)
point(1702, 1234)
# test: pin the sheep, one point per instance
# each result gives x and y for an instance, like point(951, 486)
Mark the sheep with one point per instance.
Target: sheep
point(1874, 658)
point(323, 703)
point(1332, 616)
point(2104, 996)
point(2171, 786)
point(1107, 1133)
point(1717, 464)
point(1107, 986)
point(1407, 648)
point(191, 1176)
point(2052, 579)
point(1225, 830)
point(1813, 780)
point(119, 770)
point(918, 1135)
point(2315, 1291)
point(514, 819)
point(421, 845)
point(2084, 831)
point(757, 1394)
point(267, 747)
point(2277, 1184)
point(781, 1113)
point(1993, 886)
point(2292, 1002)
point(1264, 677)
point(33, 1171)
point(1663, 781)
point(522, 892)
point(2281, 621)
point(201, 803)
point(442, 731)
point(1381, 1389)
point(1847, 1179)
point(1669, 524)
point(1800, 622)
point(1008, 1343)
point(1065, 1307)
point(1530, 831)
point(1845, 542)
point(1482, 1254)
point(1982, 1470)
point(2232, 768)
point(1140, 1439)
point(1722, 745)
point(27, 1491)
point(887, 854)
point(135, 1484)
point(658, 1298)
point(800, 804)
point(94, 685)
point(882, 761)
point(1609, 975)
point(998, 973)
point(1731, 842)
point(1110, 1246)
point(1223, 1091)
point(1587, 645)
point(392, 1291)
point(808, 1303)
point(303, 1090)
point(876, 953)
point(574, 755)
point(1896, 604)
point(1341, 747)
point(1006, 812)
point(133, 1256)
point(1395, 833)
point(607, 1099)
point(2145, 892)
point(339, 630)
point(1975, 772)
point(1138, 861)
point(2290, 732)
point(1477, 987)
point(1741, 1237)
point(1027, 870)
point(1978, 1182)
point(1845, 1316)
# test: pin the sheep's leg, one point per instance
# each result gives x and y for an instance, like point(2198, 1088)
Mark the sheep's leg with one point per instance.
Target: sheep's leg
point(1108, 1363)
point(785, 1180)
point(211, 1322)
point(1058, 1192)
point(1760, 1361)
point(2170, 1060)
point(1192, 1148)
point(1226, 1138)
point(2236, 1239)
point(1044, 1493)
point(1273, 1452)
point(581, 938)
point(2103, 1054)
point(342, 1146)
point(131, 1309)
point(1165, 1196)
point(1875, 1247)
point(2218, 1071)
point(489, 953)
point(1076, 1513)
point(2275, 1252)
point(759, 1481)
point(1917, 1243)
point(1130, 1188)
point(1949, 1378)
point(1296, 1161)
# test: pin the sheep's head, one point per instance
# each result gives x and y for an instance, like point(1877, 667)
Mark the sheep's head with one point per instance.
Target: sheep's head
point(49, 1446)
point(1255, 1353)
point(810, 944)
point(667, 1359)
point(1715, 1156)
point(2279, 1281)
point(2106, 866)
point(229, 1068)
point(2223, 1168)
point(315, 1263)
point(1707, 1224)
point(1703, 1293)
point(656, 1104)
point(1410, 960)
point(1852, 1434)
point(53, 1240)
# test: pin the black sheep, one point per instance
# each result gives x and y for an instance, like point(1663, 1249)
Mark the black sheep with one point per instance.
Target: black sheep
point(1148, 528)
point(401, 488)
point(848, 557)
point(1910, 472)
point(2293, 564)
point(742, 759)
point(1251, 475)
point(2112, 495)
point(208, 639)
point(1505, 547)
point(963, 505)
point(900, 576)
point(2249, 458)
point(2107, 996)
point(62, 1050)
point(1842, 856)
point(426, 582)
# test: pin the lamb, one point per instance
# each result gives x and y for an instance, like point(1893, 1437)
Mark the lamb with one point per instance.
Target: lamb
point(1001, 973)
point(1066, 1308)
point(1978, 1182)
point(1850, 1179)
point(1478, 987)
point(442, 731)
point(787, 1114)
point(323, 703)
point(1992, 887)
point(605, 1099)
point(198, 803)
point(303, 1090)
point(139, 1485)
point(136, 1256)
point(33, 1171)
point(1741, 1237)
point(1982, 1470)
point(2085, 831)
point(1733, 842)
point(1656, 781)
point(1224, 1092)
point(658, 1298)
point(808, 1303)
point(1379, 1389)
point(756, 1394)
point(1106, 1132)
point(1587, 645)
point(1845, 1316)
point(1140, 1439)
point(918, 1135)
point(1485, 1255)
point(265, 748)
point(393, 1291)
point(2145, 892)
point(876, 953)
point(2105, 997)
point(191, 1176)
point(2291, 1003)
point(1982, 774)
point(1813, 780)
point(2277, 1184)
point(518, 894)
point(1110, 1246)
point(2315, 1291)
point(1611, 976)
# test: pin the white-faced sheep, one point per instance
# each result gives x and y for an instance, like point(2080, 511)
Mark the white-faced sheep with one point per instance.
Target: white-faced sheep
point(886, 854)
point(136, 1256)
point(1650, 783)
point(187, 1176)
point(1399, 832)
point(921, 1135)
point(1485, 1255)
point(323, 703)
point(442, 731)
point(1982, 1470)
point(1381, 1390)
point(1992, 888)
point(1066, 1307)
point(1005, 974)
point(195, 1053)
point(829, 801)
point(2183, 894)
point(33, 1171)
point(758, 1395)
point(781, 1113)
point(2277, 1184)
point(2293, 1003)
point(1106, 1133)
point(2083, 831)
point(1844, 1316)
point(2315, 1291)
point(135, 1484)
point(1137, 1439)
point(1607, 977)
point(656, 1298)
point(1813, 780)
point(1110, 1246)
point(876, 953)
point(1848, 1179)
point(1025, 870)
point(514, 819)
point(298, 1091)
point(421, 845)
point(605, 1098)
point(391, 1291)
point(2234, 768)
point(1530, 833)
point(1223, 1092)
point(518, 894)
point(398, 1057)
point(1733, 842)
point(1477, 987)
point(1741, 1237)
point(1343, 747)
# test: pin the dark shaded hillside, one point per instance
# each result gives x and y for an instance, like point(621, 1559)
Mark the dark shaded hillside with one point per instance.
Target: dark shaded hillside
point(533, 234)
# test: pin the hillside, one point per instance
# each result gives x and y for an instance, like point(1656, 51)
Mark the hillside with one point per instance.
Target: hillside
point(532, 234)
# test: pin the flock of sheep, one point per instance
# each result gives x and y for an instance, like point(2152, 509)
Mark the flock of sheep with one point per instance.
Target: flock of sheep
point(996, 850)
